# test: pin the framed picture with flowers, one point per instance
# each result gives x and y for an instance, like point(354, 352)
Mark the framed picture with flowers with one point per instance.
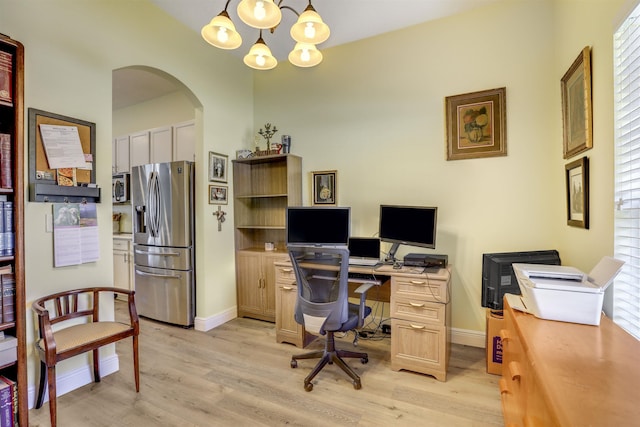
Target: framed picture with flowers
point(476, 124)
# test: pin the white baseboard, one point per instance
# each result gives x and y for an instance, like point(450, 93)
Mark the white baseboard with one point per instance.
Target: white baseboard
point(77, 378)
point(205, 324)
point(467, 337)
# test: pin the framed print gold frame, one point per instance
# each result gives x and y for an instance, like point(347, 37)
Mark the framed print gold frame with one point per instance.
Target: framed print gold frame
point(577, 119)
point(218, 167)
point(218, 194)
point(476, 124)
point(577, 181)
point(324, 188)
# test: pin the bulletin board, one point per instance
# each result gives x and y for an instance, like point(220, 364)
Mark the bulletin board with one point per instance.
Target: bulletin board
point(41, 175)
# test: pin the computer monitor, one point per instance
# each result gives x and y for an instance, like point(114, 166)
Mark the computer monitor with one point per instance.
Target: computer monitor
point(318, 226)
point(407, 225)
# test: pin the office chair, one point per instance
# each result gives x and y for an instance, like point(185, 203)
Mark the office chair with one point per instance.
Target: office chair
point(323, 308)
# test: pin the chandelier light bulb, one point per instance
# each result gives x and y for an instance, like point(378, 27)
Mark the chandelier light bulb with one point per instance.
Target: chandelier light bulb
point(223, 36)
point(260, 60)
point(258, 11)
point(305, 55)
point(309, 30)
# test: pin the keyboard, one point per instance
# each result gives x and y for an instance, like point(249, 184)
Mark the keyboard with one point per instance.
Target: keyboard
point(365, 278)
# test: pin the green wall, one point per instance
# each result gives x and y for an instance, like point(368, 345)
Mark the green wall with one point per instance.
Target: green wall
point(374, 111)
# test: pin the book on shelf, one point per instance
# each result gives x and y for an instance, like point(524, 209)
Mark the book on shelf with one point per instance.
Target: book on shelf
point(7, 404)
point(6, 181)
point(7, 242)
point(8, 283)
point(6, 78)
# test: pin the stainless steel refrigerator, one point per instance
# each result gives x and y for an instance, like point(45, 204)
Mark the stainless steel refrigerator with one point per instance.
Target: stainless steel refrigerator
point(162, 199)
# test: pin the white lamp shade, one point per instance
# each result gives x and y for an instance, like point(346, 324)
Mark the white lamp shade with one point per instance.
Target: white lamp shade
point(305, 55)
point(262, 14)
point(221, 32)
point(260, 57)
point(310, 28)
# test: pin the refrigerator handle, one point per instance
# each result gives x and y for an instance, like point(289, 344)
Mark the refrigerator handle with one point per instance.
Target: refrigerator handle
point(168, 276)
point(141, 225)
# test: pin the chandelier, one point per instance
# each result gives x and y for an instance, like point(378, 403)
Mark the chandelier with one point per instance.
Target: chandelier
point(308, 31)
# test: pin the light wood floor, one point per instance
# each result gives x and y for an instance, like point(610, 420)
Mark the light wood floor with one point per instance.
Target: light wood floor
point(237, 375)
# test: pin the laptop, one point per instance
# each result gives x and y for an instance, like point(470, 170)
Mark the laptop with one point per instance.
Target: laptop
point(364, 250)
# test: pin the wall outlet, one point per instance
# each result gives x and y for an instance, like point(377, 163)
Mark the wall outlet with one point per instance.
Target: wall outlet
point(386, 329)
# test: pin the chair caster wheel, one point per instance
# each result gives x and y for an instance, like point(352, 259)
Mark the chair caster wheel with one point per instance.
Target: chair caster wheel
point(294, 363)
point(364, 360)
point(308, 386)
point(357, 385)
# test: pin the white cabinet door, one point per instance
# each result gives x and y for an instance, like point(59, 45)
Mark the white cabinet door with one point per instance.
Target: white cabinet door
point(161, 145)
point(184, 141)
point(139, 149)
point(121, 156)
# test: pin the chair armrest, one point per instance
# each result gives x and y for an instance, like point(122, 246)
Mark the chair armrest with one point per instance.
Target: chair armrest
point(362, 290)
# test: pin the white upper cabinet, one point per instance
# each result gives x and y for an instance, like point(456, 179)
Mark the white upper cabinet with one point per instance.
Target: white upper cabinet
point(158, 145)
point(120, 153)
point(139, 149)
point(161, 144)
point(184, 141)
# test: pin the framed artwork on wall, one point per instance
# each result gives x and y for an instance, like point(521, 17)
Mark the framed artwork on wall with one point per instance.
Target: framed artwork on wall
point(577, 120)
point(324, 188)
point(577, 181)
point(476, 124)
point(218, 195)
point(217, 167)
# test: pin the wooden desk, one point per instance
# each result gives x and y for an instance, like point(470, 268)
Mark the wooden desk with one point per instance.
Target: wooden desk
point(420, 315)
point(568, 374)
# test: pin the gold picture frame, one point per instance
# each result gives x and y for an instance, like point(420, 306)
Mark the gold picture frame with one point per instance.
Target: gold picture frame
point(218, 194)
point(577, 181)
point(577, 114)
point(324, 188)
point(476, 124)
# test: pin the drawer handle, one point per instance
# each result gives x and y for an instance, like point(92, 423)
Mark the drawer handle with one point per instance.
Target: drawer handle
point(286, 270)
point(504, 387)
point(416, 326)
point(415, 304)
point(418, 282)
point(287, 288)
point(505, 335)
point(515, 371)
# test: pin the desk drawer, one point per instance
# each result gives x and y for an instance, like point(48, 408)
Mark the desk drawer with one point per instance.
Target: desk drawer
point(285, 274)
point(120, 245)
point(418, 310)
point(421, 288)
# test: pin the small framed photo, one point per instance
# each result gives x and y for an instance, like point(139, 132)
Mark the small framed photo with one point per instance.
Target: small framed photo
point(324, 188)
point(218, 194)
point(577, 120)
point(218, 167)
point(476, 124)
point(577, 178)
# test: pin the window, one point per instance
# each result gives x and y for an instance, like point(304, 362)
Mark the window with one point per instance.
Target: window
point(626, 294)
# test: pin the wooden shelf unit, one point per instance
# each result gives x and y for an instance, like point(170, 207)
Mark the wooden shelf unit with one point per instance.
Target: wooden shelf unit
point(263, 189)
point(12, 123)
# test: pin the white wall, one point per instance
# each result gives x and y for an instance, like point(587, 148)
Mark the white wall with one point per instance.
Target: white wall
point(374, 111)
point(71, 49)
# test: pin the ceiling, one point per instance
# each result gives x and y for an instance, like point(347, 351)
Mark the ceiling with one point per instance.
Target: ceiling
point(349, 20)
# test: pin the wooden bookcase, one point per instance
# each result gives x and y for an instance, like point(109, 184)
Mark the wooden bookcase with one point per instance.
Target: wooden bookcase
point(12, 123)
point(263, 188)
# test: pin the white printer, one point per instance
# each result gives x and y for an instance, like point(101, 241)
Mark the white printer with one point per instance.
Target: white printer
point(563, 293)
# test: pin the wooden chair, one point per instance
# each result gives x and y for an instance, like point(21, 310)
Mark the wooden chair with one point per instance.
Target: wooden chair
point(59, 339)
